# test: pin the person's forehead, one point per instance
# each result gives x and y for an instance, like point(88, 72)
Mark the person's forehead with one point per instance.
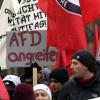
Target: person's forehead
point(40, 91)
point(75, 61)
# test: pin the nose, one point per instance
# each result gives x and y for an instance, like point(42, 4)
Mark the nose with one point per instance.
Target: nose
point(52, 84)
point(71, 66)
point(39, 97)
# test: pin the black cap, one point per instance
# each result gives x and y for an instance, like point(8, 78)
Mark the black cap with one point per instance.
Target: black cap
point(86, 58)
point(59, 74)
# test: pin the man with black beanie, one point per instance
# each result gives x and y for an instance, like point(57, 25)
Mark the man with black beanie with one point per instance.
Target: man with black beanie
point(57, 78)
point(85, 83)
point(28, 76)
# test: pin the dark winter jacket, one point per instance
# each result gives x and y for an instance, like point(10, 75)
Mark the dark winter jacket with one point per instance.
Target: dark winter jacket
point(73, 90)
point(55, 95)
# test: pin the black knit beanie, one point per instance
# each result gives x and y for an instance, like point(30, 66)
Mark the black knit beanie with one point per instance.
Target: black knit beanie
point(59, 74)
point(86, 58)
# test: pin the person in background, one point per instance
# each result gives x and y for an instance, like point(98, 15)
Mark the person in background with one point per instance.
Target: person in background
point(11, 81)
point(42, 92)
point(42, 74)
point(24, 91)
point(46, 73)
point(85, 83)
point(27, 77)
point(57, 78)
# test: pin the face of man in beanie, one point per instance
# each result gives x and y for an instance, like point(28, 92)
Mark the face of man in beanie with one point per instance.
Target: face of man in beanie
point(87, 59)
point(83, 64)
point(79, 70)
point(57, 78)
point(55, 86)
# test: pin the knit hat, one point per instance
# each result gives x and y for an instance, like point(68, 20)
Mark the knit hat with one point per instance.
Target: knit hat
point(24, 91)
point(86, 58)
point(59, 74)
point(12, 78)
point(44, 88)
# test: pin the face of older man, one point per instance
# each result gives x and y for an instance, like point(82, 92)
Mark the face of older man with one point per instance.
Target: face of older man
point(79, 70)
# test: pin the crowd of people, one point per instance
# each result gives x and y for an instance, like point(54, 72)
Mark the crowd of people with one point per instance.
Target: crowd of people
point(56, 84)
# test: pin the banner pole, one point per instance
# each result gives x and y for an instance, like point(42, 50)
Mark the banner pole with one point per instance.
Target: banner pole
point(34, 76)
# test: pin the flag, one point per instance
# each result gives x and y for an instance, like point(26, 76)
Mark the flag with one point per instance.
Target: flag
point(65, 27)
point(90, 10)
point(96, 40)
point(63, 60)
point(69, 25)
point(51, 25)
point(43, 5)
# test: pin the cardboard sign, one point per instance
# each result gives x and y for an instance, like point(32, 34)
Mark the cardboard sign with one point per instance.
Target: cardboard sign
point(26, 47)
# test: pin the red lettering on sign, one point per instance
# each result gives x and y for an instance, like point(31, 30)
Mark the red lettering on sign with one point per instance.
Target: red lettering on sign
point(14, 39)
point(33, 33)
point(29, 57)
point(22, 37)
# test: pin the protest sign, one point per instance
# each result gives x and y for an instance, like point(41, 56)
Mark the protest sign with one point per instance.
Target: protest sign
point(26, 47)
point(15, 17)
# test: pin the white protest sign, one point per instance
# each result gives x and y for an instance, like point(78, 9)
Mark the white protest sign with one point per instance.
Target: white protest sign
point(8, 11)
point(29, 17)
point(26, 47)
